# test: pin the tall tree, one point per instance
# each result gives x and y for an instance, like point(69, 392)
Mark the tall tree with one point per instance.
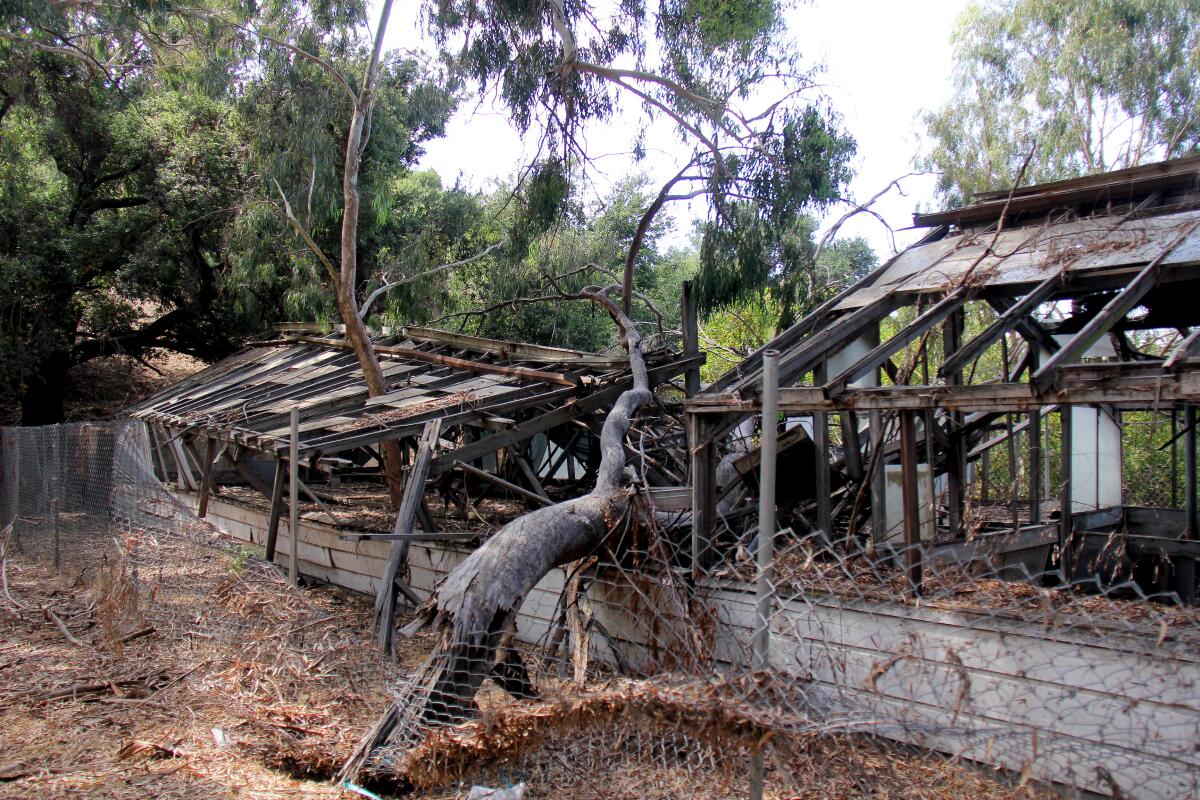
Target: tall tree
point(696, 63)
point(115, 192)
point(1086, 85)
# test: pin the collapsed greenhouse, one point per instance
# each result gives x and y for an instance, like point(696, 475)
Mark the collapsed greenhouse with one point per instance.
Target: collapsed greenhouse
point(980, 459)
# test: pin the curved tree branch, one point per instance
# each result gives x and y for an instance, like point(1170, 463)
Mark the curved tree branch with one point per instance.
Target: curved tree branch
point(387, 287)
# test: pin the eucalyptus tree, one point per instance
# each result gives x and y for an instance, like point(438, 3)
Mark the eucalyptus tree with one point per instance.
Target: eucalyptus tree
point(1084, 85)
point(700, 65)
point(115, 190)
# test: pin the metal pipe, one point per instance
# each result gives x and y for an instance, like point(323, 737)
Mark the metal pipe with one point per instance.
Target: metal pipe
point(294, 496)
point(765, 550)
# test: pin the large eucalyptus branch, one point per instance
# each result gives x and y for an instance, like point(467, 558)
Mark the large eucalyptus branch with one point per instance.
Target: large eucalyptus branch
point(407, 279)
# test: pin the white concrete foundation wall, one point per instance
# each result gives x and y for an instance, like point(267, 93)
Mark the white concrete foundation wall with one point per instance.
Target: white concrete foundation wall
point(1061, 706)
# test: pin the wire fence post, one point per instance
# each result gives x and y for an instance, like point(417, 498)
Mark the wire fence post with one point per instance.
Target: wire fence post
point(766, 540)
point(294, 496)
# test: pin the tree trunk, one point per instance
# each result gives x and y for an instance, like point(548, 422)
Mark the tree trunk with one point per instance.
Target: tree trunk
point(42, 394)
point(478, 601)
point(347, 288)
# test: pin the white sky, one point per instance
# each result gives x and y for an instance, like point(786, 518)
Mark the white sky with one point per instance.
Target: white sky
point(885, 63)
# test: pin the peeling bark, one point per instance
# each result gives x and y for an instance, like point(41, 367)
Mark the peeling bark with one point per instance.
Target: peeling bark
point(478, 602)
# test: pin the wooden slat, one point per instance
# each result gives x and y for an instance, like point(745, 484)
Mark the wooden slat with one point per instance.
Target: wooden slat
point(562, 378)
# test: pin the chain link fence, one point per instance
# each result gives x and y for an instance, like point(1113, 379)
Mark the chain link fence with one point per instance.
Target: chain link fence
point(812, 668)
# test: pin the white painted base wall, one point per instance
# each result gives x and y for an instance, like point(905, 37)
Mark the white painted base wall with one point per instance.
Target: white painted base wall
point(1065, 705)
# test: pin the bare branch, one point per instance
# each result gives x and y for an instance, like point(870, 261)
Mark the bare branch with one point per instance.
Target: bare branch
point(387, 287)
point(864, 208)
point(303, 234)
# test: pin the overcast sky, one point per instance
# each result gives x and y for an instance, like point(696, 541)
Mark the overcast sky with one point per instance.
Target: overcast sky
point(885, 63)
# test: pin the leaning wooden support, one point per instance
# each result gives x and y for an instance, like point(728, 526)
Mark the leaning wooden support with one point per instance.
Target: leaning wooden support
point(206, 477)
point(414, 491)
point(503, 484)
point(276, 509)
point(1115, 310)
point(294, 496)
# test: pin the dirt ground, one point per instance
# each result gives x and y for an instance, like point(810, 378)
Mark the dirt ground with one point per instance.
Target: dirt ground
point(214, 678)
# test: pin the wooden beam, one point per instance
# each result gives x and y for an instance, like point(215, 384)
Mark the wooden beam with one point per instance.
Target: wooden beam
point(562, 378)
point(691, 337)
point(961, 356)
point(703, 466)
point(885, 350)
point(294, 497)
point(206, 477)
point(956, 456)
point(414, 491)
point(1083, 385)
point(1187, 348)
point(1114, 311)
point(527, 472)
point(503, 484)
point(1065, 513)
point(276, 509)
point(911, 502)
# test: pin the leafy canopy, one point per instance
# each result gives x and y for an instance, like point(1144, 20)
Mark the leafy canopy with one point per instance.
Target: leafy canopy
point(1087, 85)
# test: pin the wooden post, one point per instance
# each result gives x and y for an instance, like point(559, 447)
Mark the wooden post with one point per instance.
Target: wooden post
point(691, 337)
point(704, 493)
point(390, 582)
point(1175, 457)
point(1035, 467)
point(956, 458)
point(1185, 568)
point(206, 477)
point(276, 509)
point(911, 502)
point(1065, 502)
point(820, 424)
point(878, 488)
point(294, 496)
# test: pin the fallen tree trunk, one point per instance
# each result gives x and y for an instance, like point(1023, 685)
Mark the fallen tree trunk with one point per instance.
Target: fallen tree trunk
point(478, 602)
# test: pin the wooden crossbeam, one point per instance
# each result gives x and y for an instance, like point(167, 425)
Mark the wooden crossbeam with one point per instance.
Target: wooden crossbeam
point(1114, 311)
point(1009, 319)
point(885, 350)
point(503, 484)
point(1189, 347)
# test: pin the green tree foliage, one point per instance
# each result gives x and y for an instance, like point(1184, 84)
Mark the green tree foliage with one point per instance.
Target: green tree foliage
point(585, 245)
point(694, 62)
point(1093, 84)
point(740, 327)
point(114, 195)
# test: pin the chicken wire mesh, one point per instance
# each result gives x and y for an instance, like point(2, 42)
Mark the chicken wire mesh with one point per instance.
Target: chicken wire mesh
point(1008, 665)
point(84, 500)
point(633, 672)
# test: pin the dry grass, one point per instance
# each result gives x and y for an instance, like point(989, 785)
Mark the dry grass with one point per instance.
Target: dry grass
point(213, 678)
point(239, 673)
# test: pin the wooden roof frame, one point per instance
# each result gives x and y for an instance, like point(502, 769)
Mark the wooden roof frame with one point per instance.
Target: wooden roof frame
point(247, 398)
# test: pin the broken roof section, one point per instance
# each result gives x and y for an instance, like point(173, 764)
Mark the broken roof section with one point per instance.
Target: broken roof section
point(1108, 243)
point(247, 398)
